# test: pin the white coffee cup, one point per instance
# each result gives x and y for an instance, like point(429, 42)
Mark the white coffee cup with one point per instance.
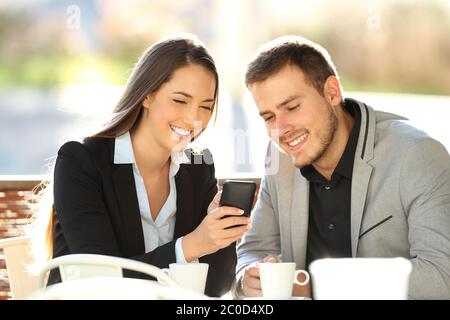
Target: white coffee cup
point(277, 279)
point(360, 278)
point(190, 276)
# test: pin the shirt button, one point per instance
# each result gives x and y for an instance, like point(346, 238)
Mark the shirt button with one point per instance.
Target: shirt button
point(331, 226)
point(327, 187)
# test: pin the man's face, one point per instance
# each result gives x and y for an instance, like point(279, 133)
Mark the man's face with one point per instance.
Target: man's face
point(300, 120)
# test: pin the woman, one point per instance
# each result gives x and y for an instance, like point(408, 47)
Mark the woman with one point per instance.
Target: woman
point(133, 191)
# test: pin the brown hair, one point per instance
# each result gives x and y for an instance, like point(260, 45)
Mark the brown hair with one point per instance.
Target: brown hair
point(312, 59)
point(154, 68)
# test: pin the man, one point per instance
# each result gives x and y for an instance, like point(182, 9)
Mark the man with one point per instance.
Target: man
point(352, 181)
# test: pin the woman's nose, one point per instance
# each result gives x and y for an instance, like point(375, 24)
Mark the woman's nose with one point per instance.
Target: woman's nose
point(191, 115)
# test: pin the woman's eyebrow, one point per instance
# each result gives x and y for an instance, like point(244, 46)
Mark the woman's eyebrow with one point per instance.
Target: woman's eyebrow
point(187, 95)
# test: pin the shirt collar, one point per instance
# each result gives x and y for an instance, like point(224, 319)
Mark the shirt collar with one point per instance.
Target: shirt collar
point(345, 164)
point(123, 149)
point(124, 154)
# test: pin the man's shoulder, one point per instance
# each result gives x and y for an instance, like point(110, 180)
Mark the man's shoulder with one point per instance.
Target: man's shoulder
point(397, 132)
point(398, 141)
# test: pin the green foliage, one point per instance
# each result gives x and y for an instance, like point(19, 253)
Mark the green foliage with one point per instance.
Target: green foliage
point(38, 70)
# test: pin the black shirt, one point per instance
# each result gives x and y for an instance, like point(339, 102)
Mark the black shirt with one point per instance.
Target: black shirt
point(329, 202)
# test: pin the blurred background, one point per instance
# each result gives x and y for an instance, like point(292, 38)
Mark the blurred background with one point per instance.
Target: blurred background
point(63, 65)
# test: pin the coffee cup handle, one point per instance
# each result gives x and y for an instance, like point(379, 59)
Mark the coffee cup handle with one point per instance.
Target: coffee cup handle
point(302, 283)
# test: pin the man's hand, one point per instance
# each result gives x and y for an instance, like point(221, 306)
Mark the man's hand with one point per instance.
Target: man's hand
point(251, 283)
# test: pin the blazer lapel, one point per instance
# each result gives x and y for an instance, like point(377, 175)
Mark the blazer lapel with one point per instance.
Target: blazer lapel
point(362, 171)
point(360, 184)
point(293, 212)
point(124, 185)
point(300, 214)
point(185, 217)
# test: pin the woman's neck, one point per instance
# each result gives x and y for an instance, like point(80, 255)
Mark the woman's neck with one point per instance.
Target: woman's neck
point(150, 157)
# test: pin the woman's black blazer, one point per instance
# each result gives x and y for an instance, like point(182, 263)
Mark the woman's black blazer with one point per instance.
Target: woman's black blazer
point(97, 209)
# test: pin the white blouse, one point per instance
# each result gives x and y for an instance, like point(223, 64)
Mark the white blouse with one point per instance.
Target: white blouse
point(160, 231)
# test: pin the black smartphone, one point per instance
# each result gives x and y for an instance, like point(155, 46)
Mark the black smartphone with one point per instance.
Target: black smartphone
point(239, 194)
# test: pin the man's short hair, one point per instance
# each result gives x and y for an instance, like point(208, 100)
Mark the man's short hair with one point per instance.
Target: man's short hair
point(312, 59)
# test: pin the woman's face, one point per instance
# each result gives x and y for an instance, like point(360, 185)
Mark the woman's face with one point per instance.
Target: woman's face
point(181, 108)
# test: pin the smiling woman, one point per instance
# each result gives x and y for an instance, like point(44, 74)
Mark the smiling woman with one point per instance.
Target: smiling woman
point(133, 190)
point(172, 115)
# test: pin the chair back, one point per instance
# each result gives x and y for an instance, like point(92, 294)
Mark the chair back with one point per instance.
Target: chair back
point(17, 256)
point(79, 266)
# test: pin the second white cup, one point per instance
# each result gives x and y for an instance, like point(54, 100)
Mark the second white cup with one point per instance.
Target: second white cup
point(190, 276)
point(277, 279)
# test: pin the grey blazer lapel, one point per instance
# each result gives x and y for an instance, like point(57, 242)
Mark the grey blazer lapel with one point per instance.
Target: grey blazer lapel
point(293, 211)
point(362, 171)
point(299, 222)
point(360, 184)
point(285, 183)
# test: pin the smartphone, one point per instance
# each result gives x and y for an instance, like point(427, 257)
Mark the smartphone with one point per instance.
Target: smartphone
point(239, 194)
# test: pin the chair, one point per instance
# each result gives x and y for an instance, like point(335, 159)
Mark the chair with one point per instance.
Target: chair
point(17, 257)
point(79, 266)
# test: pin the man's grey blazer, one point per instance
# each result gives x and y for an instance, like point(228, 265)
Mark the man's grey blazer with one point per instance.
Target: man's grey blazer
point(400, 205)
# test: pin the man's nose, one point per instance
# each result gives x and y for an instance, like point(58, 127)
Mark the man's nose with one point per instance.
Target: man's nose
point(284, 125)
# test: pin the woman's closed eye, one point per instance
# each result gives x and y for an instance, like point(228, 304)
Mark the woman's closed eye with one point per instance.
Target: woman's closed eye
point(179, 101)
point(209, 108)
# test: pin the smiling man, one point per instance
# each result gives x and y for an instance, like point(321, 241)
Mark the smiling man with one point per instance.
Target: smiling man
point(352, 181)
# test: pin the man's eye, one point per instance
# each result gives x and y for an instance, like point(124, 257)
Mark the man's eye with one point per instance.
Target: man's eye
point(206, 107)
point(179, 101)
point(268, 119)
point(293, 108)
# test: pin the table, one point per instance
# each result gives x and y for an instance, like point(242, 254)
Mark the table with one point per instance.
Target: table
point(113, 288)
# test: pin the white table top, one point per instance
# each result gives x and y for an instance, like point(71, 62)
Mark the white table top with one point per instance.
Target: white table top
point(113, 288)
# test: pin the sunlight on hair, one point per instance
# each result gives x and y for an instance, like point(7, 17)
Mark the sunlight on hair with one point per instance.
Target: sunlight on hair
point(40, 228)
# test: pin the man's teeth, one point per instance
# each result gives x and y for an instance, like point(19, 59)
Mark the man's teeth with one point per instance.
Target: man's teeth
point(295, 142)
point(180, 131)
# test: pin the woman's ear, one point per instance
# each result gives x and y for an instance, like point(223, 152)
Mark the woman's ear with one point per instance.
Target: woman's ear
point(148, 101)
point(332, 91)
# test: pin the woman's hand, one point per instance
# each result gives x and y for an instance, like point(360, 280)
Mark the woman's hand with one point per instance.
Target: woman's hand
point(212, 235)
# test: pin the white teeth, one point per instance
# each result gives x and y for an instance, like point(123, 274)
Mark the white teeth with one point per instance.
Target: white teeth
point(181, 131)
point(298, 140)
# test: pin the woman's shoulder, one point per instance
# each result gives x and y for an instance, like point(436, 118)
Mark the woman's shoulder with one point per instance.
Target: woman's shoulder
point(98, 149)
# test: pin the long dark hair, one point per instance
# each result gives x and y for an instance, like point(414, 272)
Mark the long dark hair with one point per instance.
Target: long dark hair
point(154, 68)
